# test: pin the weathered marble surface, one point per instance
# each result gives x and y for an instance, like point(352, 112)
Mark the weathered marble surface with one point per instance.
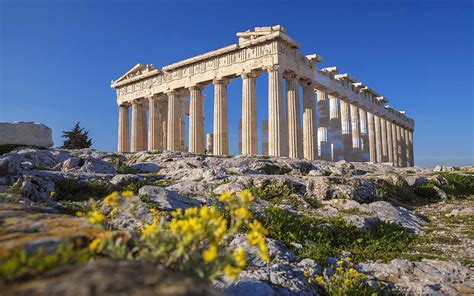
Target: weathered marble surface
point(25, 133)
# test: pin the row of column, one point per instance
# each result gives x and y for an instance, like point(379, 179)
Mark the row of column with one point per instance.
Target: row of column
point(343, 130)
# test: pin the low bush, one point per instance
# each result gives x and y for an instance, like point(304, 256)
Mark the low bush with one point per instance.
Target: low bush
point(272, 190)
point(458, 185)
point(71, 189)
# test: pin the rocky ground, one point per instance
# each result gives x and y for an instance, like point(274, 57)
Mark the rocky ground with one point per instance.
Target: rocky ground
point(410, 230)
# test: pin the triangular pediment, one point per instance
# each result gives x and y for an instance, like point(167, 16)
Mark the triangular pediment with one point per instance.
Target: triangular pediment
point(137, 70)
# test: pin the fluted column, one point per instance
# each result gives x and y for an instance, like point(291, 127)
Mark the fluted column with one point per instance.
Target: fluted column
point(383, 130)
point(324, 146)
point(221, 133)
point(399, 146)
point(293, 117)
point(143, 134)
point(356, 140)
point(182, 123)
point(364, 135)
point(154, 125)
point(404, 147)
point(389, 141)
point(135, 126)
point(196, 120)
point(394, 144)
point(276, 143)
point(371, 129)
point(249, 114)
point(164, 124)
point(173, 122)
point(378, 139)
point(309, 124)
point(411, 161)
point(335, 128)
point(407, 148)
point(123, 129)
point(346, 130)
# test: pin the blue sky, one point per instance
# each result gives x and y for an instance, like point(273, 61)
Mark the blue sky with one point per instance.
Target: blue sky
point(57, 58)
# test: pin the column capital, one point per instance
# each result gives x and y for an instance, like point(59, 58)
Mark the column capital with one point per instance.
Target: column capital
point(290, 76)
point(221, 80)
point(272, 68)
point(172, 92)
point(196, 87)
point(249, 74)
point(136, 102)
point(124, 104)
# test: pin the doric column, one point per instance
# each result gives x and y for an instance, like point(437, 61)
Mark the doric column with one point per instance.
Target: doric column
point(173, 122)
point(276, 143)
point(371, 129)
point(221, 133)
point(265, 137)
point(154, 125)
point(249, 114)
point(411, 161)
point(389, 140)
point(335, 128)
point(182, 122)
point(404, 147)
point(394, 144)
point(324, 146)
point(364, 135)
point(143, 134)
point(196, 120)
point(346, 130)
point(407, 147)
point(123, 129)
point(399, 146)
point(383, 129)
point(309, 123)
point(293, 117)
point(378, 139)
point(138, 127)
point(209, 143)
point(356, 141)
point(164, 124)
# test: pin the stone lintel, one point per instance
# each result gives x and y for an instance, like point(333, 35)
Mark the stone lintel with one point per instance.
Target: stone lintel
point(346, 77)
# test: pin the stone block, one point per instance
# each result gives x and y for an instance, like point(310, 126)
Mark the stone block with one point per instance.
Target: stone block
point(25, 133)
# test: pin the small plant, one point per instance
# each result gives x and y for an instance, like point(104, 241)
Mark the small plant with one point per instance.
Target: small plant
point(195, 240)
point(343, 279)
point(19, 265)
point(121, 167)
point(71, 189)
point(272, 190)
point(458, 185)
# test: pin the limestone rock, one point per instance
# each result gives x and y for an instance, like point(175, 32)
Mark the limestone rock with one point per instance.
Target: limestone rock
point(25, 133)
point(397, 215)
point(145, 167)
point(167, 200)
point(123, 180)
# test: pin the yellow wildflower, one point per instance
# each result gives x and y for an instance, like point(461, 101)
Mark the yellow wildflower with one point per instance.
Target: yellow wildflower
point(111, 199)
point(94, 245)
point(340, 262)
point(127, 194)
point(347, 281)
point(225, 197)
point(232, 272)
point(204, 212)
point(348, 259)
point(242, 213)
point(52, 194)
point(240, 257)
point(352, 271)
point(319, 280)
point(245, 196)
point(210, 254)
point(95, 217)
point(339, 269)
point(306, 273)
point(149, 229)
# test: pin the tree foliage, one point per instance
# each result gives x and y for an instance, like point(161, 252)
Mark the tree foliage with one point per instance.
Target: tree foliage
point(77, 138)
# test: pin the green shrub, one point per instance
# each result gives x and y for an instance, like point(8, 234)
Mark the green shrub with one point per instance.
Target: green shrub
point(396, 190)
point(121, 167)
point(458, 185)
point(272, 190)
point(71, 189)
point(19, 264)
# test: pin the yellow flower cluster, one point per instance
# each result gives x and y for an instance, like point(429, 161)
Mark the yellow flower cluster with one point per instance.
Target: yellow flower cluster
point(256, 237)
point(93, 217)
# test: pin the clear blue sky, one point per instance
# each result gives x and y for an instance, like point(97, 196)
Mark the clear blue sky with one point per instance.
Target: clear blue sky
point(57, 58)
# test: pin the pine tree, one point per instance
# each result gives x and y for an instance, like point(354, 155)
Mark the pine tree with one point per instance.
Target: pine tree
point(76, 138)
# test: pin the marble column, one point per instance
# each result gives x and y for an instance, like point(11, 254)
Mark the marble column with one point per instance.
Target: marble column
point(164, 124)
point(324, 146)
point(249, 114)
point(265, 137)
point(407, 148)
point(346, 130)
point(196, 120)
point(277, 144)
point(309, 123)
point(371, 130)
point(404, 147)
point(293, 117)
point(138, 127)
point(399, 146)
point(335, 128)
point(173, 122)
point(383, 126)
point(209, 143)
point(411, 161)
point(182, 123)
point(378, 139)
point(154, 125)
point(388, 127)
point(221, 132)
point(364, 135)
point(123, 129)
point(394, 144)
point(356, 140)
point(143, 134)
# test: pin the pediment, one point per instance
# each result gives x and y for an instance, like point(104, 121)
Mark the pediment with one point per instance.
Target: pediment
point(137, 70)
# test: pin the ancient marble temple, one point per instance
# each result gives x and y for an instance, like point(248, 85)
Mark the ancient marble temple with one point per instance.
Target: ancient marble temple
point(341, 118)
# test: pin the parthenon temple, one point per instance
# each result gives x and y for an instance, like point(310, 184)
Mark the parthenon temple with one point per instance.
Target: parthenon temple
point(341, 117)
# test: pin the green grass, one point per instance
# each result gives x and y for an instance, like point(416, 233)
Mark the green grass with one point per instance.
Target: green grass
point(331, 236)
point(458, 185)
point(272, 190)
point(71, 189)
point(20, 265)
